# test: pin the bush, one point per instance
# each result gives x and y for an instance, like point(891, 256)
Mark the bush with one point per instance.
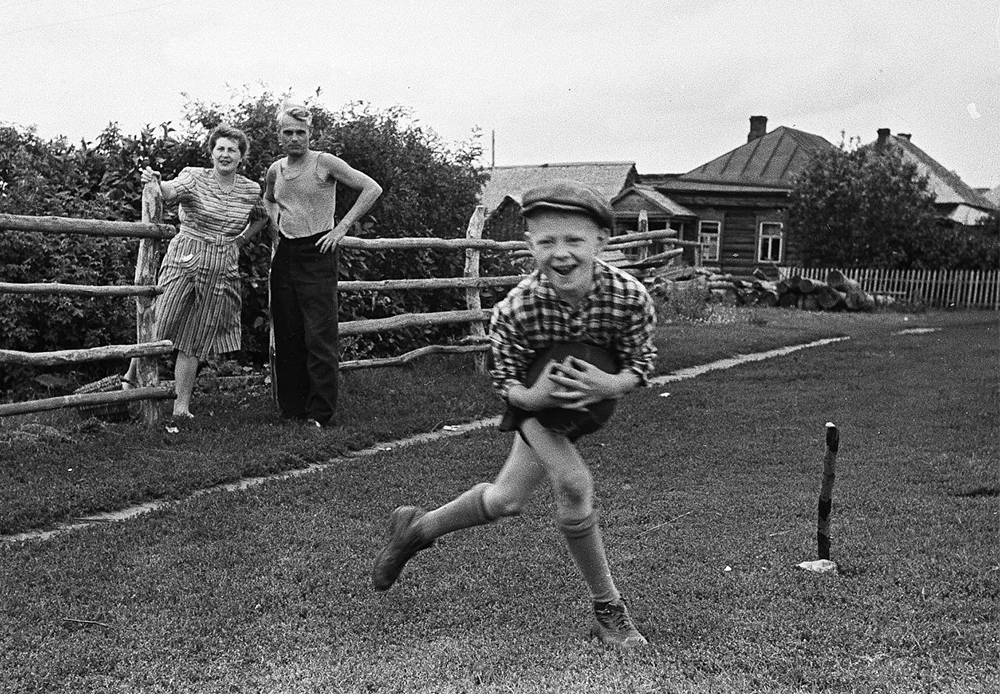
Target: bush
point(430, 189)
point(682, 301)
point(54, 178)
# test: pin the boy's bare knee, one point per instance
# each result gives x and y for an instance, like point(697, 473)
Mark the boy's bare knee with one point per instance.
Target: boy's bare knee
point(500, 502)
point(574, 489)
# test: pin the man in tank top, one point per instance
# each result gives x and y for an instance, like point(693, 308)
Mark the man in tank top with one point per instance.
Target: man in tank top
point(301, 193)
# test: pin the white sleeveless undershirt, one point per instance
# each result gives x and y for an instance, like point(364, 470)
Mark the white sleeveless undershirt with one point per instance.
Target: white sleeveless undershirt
point(306, 200)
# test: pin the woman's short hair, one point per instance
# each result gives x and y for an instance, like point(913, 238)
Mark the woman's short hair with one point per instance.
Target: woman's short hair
point(296, 111)
point(229, 132)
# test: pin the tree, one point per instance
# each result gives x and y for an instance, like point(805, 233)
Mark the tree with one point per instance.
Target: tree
point(39, 177)
point(865, 207)
point(430, 189)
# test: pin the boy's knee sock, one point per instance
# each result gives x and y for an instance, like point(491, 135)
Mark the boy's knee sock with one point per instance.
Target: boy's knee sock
point(583, 537)
point(465, 511)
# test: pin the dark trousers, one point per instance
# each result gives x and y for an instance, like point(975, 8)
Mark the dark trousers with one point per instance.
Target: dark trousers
point(304, 314)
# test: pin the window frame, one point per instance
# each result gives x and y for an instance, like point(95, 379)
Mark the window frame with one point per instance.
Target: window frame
point(770, 238)
point(703, 233)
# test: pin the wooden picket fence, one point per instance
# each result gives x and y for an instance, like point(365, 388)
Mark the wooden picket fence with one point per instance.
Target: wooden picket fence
point(150, 230)
point(931, 288)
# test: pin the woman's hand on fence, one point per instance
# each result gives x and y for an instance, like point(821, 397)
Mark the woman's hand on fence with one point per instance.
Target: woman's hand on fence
point(148, 175)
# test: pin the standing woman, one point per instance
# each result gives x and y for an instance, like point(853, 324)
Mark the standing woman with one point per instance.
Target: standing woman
point(199, 309)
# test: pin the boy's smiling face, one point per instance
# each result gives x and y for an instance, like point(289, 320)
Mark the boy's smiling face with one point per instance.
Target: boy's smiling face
point(564, 245)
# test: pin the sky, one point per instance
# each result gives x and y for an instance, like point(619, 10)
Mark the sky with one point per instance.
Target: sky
point(667, 84)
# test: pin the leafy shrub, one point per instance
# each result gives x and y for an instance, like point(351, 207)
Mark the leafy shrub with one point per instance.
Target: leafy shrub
point(430, 189)
point(868, 207)
point(682, 301)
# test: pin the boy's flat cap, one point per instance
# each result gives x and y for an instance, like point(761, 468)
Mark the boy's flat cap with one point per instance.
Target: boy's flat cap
point(564, 194)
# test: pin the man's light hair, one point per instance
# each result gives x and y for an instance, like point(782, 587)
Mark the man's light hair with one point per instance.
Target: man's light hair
point(296, 111)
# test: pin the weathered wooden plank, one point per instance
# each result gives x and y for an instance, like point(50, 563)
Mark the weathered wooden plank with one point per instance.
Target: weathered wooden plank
point(408, 357)
point(411, 320)
point(86, 227)
point(473, 301)
point(78, 356)
point(77, 289)
point(826, 491)
point(144, 395)
point(146, 266)
point(429, 242)
point(429, 283)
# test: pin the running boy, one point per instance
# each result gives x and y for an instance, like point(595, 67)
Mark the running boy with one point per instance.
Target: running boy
point(574, 302)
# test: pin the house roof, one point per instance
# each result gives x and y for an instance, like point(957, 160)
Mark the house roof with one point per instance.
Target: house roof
point(947, 187)
point(656, 198)
point(994, 197)
point(608, 178)
point(771, 160)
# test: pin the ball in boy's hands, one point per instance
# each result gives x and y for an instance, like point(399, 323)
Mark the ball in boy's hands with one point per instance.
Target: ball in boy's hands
point(574, 423)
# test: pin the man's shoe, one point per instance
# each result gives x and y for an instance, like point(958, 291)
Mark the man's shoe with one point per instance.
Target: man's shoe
point(405, 540)
point(613, 626)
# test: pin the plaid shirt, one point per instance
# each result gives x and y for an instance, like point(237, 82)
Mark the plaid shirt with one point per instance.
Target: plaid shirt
point(617, 316)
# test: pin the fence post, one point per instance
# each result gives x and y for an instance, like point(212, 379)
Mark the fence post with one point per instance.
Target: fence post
point(145, 316)
point(473, 299)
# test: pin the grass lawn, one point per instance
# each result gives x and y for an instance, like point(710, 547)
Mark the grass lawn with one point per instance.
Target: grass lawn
point(707, 497)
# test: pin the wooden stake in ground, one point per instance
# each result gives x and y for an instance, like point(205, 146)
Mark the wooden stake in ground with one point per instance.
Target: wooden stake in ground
point(826, 491)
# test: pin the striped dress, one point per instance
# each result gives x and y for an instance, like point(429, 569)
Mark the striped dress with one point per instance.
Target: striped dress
point(199, 309)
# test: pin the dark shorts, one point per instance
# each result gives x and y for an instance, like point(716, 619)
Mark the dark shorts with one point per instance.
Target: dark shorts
point(570, 423)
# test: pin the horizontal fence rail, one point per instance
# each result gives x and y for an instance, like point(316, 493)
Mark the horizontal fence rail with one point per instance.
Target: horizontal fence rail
point(138, 395)
point(78, 289)
point(932, 288)
point(86, 227)
point(144, 290)
point(78, 356)
point(149, 231)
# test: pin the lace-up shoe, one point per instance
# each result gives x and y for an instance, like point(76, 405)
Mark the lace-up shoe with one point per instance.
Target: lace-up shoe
point(405, 540)
point(613, 626)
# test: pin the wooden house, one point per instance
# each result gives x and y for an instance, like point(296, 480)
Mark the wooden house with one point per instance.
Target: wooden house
point(643, 208)
point(501, 196)
point(738, 201)
point(993, 197)
point(955, 200)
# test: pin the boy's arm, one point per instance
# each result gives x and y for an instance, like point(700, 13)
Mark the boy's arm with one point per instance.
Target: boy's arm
point(511, 357)
point(542, 395)
point(637, 351)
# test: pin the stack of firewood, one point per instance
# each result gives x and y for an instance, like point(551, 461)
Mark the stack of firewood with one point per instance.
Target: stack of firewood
point(838, 293)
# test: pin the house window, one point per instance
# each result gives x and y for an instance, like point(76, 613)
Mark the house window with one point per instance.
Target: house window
point(772, 238)
point(708, 237)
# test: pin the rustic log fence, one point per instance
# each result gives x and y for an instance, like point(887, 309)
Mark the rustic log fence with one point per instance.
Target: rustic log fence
point(930, 288)
point(151, 229)
point(147, 391)
point(472, 282)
